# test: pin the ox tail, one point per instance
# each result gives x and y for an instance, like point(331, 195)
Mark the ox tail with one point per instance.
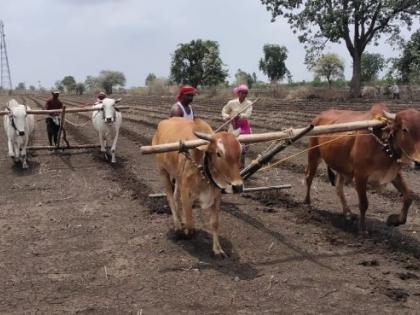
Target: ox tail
point(331, 176)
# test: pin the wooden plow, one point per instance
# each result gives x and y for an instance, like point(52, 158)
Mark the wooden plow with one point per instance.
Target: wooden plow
point(63, 113)
point(288, 136)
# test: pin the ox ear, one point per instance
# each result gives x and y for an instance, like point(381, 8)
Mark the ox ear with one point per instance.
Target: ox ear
point(118, 100)
point(204, 136)
point(389, 115)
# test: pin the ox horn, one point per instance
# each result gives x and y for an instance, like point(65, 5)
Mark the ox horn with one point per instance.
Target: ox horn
point(389, 115)
point(204, 136)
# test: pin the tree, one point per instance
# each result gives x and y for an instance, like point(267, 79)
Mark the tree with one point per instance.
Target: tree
point(372, 64)
point(273, 63)
point(109, 79)
point(151, 77)
point(91, 83)
point(329, 66)
point(59, 86)
point(21, 86)
point(32, 88)
point(80, 88)
point(198, 63)
point(357, 23)
point(69, 83)
point(244, 77)
point(408, 65)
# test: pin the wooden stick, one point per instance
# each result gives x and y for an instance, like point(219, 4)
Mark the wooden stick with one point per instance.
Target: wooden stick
point(60, 130)
point(68, 110)
point(246, 190)
point(49, 147)
point(262, 137)
point(236, 115)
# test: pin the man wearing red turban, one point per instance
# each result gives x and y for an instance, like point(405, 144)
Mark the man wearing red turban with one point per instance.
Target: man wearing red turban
point(182, 107)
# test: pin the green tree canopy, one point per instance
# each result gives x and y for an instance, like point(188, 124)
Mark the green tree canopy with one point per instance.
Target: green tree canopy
point(357, 23)
point(150, 78)
point(80, 88)
point(408, 65)
point(198, 63)
point(109, 79)
point(59, 86)
point(69, 83)
point(330, 67)
point(372, 64)
point(21, 86)
point(91, 83)
point(245, 77)
point(273, 63)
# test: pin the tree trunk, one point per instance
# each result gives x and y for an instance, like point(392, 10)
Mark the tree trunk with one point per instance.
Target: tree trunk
point(355, 87)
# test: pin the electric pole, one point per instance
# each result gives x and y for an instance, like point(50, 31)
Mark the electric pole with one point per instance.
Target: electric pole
point(6, 79)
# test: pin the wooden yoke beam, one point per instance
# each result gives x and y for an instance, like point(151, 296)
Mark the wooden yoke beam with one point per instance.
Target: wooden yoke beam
point(269, 136)
point(68, 110)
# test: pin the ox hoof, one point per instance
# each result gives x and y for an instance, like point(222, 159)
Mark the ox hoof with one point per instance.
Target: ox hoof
point(394, 220)
point(182, 235)
point(350, 216)
point(189, 233)
point(219, 254)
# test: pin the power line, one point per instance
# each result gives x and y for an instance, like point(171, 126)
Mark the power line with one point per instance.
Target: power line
point(6, 79)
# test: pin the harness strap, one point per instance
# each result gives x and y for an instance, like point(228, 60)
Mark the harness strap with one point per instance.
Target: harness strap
point(208, 173)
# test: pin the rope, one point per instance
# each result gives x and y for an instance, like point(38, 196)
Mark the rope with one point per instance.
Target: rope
point(352, 134)
point(77, 125)
point(306, 150)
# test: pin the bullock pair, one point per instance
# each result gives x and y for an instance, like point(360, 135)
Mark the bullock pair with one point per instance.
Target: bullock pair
point(198, 174)
point(367, 156)
point(18, 126)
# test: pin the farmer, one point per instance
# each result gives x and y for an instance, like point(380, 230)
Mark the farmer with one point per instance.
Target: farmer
point(100, 97)
point(53, 119)
point(54, 102)
point(241, 109)
point(182, 107)
point(395, 91)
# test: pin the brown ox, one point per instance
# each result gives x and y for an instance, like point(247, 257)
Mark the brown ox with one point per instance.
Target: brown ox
point(201, 175)
point(361, 158)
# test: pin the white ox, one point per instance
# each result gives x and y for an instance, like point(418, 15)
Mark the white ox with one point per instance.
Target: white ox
point(107, 122)
point(18, 126)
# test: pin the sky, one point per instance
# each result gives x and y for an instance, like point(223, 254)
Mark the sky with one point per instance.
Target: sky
point(50, 39)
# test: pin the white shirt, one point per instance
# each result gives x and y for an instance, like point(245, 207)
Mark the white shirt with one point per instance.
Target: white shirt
point(189, 116)
point(395, 89)
point(234, 106)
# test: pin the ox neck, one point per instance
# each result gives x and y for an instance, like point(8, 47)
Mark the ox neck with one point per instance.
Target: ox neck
point(12, 122)
point(208, 173)
point(387, 144)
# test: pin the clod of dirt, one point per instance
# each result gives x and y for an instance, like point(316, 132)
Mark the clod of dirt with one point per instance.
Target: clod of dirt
point(407, 275)
point(369, 263)
point(396, 294)
point(412, 267)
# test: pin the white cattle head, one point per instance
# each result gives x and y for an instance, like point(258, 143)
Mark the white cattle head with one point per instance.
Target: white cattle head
point(109, 111)
point(17, 117)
